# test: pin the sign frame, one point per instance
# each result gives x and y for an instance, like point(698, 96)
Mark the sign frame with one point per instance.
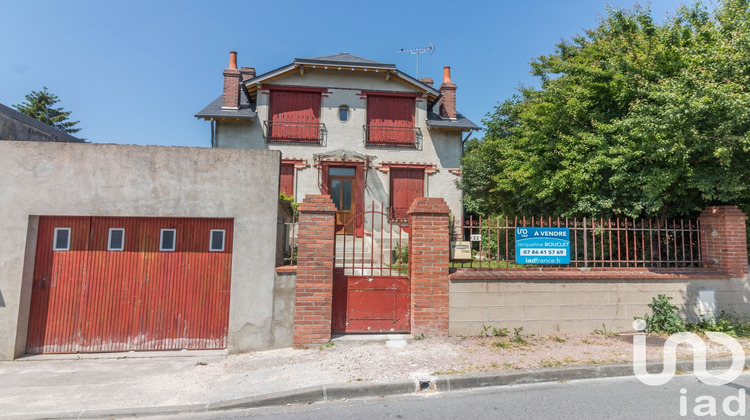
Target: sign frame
point(542, 245)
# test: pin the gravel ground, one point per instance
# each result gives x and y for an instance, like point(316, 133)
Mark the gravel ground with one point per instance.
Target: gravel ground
point(97, 382)
point(349, 361)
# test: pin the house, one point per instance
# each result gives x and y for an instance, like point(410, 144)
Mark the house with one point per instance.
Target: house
point(17, 126)
point(358, 130)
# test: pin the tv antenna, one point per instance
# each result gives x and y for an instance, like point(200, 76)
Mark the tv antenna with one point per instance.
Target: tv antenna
point(417, 52)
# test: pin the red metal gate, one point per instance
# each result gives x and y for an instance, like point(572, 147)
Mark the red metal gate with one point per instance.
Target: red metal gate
point(371, 292)
point(91, 296)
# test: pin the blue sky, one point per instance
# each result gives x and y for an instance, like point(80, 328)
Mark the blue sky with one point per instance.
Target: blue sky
point(136, 72)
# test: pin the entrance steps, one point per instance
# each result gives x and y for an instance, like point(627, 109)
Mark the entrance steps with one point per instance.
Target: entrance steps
point(366, 252)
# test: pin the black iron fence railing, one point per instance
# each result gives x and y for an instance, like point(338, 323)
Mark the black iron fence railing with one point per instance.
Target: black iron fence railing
point(594, 242)
point(294, 132)
point(392, 136)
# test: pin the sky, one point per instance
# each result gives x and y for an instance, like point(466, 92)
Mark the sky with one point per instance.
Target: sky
point(136, 72)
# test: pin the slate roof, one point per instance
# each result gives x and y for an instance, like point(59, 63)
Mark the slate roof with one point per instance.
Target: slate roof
point(52, 131)
point(460, 123)
point(213, 110)
point(344, 58)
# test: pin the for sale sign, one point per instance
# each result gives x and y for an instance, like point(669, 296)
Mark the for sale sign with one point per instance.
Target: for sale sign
point(542, 245)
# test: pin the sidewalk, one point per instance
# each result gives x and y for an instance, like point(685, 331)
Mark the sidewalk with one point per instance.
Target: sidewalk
point(128, 384)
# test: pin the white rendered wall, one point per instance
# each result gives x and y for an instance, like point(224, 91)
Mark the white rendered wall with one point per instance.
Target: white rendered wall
point(440, 147)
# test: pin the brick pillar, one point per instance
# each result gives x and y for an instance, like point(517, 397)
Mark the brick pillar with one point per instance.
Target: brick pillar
point(315, 253)
point(429, 253)
point(723, 242)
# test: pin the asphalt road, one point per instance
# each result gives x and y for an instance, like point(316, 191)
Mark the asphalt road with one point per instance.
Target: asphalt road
point(613, 398)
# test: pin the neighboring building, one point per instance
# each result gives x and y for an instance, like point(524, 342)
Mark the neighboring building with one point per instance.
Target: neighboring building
point(124, 248)
point(358, 130)
point(18, 126)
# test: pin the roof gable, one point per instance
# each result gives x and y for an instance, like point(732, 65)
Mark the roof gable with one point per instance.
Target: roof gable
point(337, 62)
point(343, 58)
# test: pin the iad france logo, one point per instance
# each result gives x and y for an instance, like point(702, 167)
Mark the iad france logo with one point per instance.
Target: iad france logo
point(669, 357)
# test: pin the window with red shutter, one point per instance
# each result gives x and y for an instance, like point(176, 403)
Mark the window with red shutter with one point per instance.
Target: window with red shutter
point(390, 120)
point(294, 116)
point(286, 181)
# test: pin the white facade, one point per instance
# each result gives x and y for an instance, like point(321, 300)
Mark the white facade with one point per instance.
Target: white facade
point(439, 152)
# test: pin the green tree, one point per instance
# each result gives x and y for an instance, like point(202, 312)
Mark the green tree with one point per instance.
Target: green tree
point(633, 118)
point(40, 106)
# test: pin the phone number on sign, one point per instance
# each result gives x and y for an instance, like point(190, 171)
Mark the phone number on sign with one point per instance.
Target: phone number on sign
point(543, 252)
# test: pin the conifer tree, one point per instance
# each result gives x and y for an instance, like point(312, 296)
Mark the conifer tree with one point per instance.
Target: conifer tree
point(40, 106)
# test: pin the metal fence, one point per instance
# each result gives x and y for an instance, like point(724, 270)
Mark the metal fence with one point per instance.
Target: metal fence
point(594, 242)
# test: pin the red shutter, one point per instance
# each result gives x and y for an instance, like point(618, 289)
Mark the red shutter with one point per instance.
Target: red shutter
point(294, 115)
point(391, 120)
point(406, 186)
point(286, 182)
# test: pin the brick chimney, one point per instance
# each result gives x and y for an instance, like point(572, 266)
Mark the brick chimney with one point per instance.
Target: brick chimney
point(231, 95)
point(427, 80)
point(247, 73)
point(448, 98)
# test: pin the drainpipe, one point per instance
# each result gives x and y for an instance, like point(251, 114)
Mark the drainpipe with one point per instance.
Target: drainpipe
point(213, 133)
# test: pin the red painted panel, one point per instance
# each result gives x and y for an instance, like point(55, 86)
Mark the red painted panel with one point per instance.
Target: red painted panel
point(56, 287)
point(406, 186)
point(286, 183)
point(136, 299)
point(373, 304)
point(391, 120)
point(294, 115)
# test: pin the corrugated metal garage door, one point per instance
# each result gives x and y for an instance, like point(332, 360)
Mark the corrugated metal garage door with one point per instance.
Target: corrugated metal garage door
point(119, 284)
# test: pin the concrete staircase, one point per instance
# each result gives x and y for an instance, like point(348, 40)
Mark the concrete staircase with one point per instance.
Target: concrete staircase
point(362, 255)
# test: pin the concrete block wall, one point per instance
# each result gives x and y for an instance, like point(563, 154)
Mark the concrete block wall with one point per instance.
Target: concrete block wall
point(284, 288)
point(581, 305)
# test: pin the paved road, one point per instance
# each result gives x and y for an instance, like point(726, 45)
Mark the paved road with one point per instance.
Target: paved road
point(615, 398)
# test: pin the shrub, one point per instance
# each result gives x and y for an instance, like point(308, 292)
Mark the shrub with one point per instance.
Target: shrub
point(664, 318)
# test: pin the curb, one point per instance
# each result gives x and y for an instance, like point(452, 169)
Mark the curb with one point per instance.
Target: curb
point(405, 386)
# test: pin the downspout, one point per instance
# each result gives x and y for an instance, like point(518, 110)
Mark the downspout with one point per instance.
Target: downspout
point(463, 143)
point(213, 133)
point(463, 193)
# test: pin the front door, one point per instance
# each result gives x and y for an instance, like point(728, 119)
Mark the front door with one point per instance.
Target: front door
point(341, 186)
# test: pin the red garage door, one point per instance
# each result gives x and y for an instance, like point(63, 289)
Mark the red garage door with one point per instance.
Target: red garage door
point(119, 284)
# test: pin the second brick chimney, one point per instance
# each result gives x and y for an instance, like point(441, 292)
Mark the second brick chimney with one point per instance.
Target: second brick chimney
point(231, 95)
point(247, 73)
point(448, 98)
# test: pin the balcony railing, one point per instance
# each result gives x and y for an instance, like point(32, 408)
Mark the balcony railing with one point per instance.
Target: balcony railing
point(392, 136)
point(294, 132)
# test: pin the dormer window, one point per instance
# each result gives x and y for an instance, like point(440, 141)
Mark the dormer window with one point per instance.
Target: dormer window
point(390, 120)
point(294, 116)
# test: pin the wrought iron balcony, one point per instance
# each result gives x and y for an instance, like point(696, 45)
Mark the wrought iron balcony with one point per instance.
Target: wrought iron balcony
point(393, 136)
point(294, 132)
